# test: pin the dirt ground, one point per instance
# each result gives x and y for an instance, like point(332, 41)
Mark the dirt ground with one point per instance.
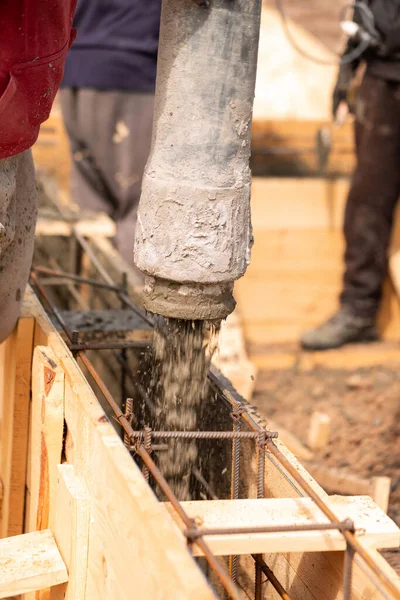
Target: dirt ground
point(364, 408)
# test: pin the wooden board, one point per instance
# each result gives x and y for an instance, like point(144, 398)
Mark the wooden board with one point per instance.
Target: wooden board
point(46, 438)
point(378, 531)
point(70, 524)
point(15, 382)
point(30, 562)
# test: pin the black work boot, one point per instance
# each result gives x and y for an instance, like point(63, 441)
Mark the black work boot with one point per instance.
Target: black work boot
point(342, 328)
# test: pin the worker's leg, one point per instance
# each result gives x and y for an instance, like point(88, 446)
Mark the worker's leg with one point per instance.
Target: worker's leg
point(369, 217)
point(110, 135)
point(18, 211)
point(373, 195)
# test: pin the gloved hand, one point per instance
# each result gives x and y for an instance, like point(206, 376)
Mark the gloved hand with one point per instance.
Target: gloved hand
point(342, 88)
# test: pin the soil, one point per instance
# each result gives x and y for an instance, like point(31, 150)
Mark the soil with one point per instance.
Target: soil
point(364, 409)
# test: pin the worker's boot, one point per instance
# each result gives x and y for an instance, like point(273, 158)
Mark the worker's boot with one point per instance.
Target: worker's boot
point(342, 328)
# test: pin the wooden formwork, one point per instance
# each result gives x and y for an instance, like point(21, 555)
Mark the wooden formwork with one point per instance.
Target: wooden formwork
point(79, 520)
point(101, 522)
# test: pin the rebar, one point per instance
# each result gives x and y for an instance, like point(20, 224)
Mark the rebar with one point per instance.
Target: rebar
point(147, 447)
point(260, 494)
point(206, 435)
point(235, 475)
point(336, 526)
point(276, 584)
point(78, 278)
point(109, 345)
point(128, 416)
point(348, 572)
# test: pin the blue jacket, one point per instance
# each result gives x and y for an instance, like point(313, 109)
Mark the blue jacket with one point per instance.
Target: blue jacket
point(116, 45)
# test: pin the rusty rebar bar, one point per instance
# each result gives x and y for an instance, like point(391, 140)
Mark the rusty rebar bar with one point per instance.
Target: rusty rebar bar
point(128, 416)
point(78, 278)
point(260, 494)
point(206, 435)
point(336, 526)
point(276, 584)
point(147, 447)
point(109, 345)
point(235, 476)
point(348, 572)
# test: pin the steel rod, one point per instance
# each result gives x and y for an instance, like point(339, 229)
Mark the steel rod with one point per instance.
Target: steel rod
point(348, 572)
point(276, 584)
point(111, 345)
point(235, 476)
point(77, 278)
point(205, 435)
point(337, 526)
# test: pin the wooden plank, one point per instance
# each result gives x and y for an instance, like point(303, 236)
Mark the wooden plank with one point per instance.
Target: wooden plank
point(30, 562)
point(15, 380)
point(341, 482)
point(46, 437)
point(128, 524)
point(378, 530)
point(97, 225)
point(71, 532)
point(298, 203)
point(45, 444)
point(351, 357)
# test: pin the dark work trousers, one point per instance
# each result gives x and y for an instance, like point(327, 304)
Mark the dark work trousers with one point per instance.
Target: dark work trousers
point(373, 195)
point(110, 137)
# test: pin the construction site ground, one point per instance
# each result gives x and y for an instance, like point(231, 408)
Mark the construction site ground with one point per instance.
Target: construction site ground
point(363, 405)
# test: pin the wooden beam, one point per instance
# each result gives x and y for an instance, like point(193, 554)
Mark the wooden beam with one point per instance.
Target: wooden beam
point(378, 530)
point(15, 381)
point(46, 437)
point(71, 532)
point(30, 562)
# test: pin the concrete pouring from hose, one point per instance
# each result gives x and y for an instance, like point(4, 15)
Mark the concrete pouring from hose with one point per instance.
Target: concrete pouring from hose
point(194, 235)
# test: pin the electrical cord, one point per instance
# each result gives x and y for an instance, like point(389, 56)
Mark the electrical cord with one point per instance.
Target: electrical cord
point(342, 60)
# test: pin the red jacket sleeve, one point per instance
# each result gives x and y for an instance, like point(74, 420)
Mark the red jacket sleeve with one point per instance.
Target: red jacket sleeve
point(35, 37)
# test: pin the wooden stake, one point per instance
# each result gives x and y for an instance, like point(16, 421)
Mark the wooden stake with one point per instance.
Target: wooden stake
point(380, 492)
point(318, 435)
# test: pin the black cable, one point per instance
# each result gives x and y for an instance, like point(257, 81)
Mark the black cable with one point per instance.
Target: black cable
point(344, 60)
